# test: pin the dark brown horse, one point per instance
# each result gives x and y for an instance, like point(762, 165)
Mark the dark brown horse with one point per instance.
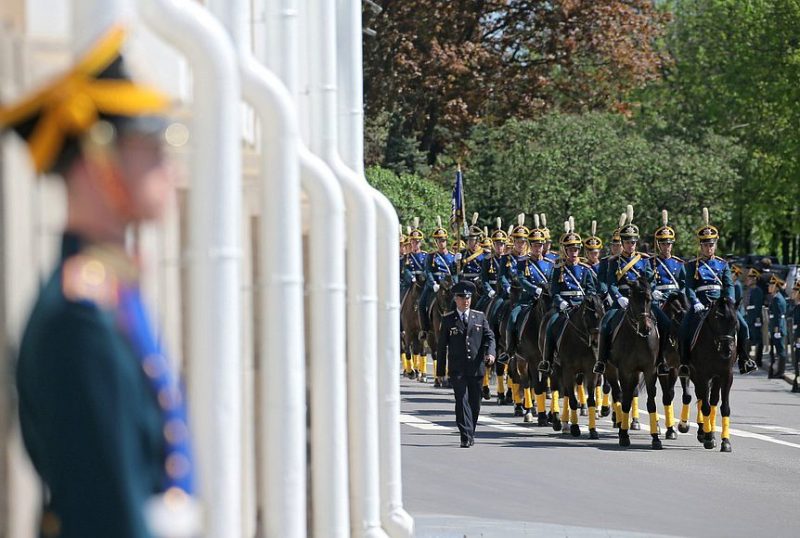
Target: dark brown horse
point(528, 357)
point(711, 361)
point(442, 303)
point(675, 307)
point(634, 350)
point(497, 311)
point(412, 345)
point(576, 353)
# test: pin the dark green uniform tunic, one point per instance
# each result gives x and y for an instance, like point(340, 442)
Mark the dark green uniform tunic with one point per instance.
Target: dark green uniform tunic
point(90, 420)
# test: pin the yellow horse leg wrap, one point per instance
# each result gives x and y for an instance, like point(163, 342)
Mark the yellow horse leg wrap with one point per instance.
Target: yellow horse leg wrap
point(635, 407)
point(514, 391)
point(713, 417)
point(573, 416)
point(486, 377)
point(548, 383)
point(685, 413)
point(598, 393)
point(707, 424)
point(555, 406)
point(624, 421)
point(528, 403)
point(541, 402)
point(669, 416)
point(700, 419)
point(592, 418)
point(424, 363)
point(581, 395)
point(653, 423)
point(566, 403)
point(501, 383)
point(726, 427)
point(605, 399)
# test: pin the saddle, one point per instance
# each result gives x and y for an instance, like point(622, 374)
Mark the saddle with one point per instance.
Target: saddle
point(696, 332)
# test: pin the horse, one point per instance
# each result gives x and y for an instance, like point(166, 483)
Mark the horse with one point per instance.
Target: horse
point(711, 357)
point(675, 307)
point(413, 347)
point(441, 304)
point(576, 353)
point(496, 314)
point(634, 351)
point(528, 357)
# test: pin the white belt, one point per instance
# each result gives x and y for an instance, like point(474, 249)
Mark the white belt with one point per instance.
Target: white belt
point(575, 293)
point(708, 287)
point(666, 287)
point(471, 275)
point(750, 307)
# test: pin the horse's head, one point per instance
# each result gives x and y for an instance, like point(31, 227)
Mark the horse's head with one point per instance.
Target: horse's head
point(446, 290)
point(592, 311)
point(641, 296)
point(724, 323)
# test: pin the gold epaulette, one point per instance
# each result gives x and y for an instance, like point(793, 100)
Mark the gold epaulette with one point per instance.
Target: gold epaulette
point(679, 259)
point(86, 278)
point(643, 256)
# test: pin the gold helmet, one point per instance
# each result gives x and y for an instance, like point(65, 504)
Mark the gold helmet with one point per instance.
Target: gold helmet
point(475, 231)
point(486, 242)
point(439, 232)
point(775, 280)
point(537, 234)
point(593, 242)
point(499, 234)
point(544, 228)
point(615, 237)
point(707, 233)
point(629, 231)
point(520, 231)
point(754, 273)
point(665, 234)
point(416, 234)
point(458, 245)
point(570, 238)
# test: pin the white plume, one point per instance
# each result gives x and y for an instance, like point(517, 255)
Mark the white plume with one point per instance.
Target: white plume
point(521, 219)
point(566, 226)
point(475, 218)
point(705, 216)
point(629, 211)
point(571, 223)
point(438, 221)
point(416, 222)
point(499, 223)
point(664, 216)
point(543, 217)
point(594, 227)
point(622, 218)
point(536, 219)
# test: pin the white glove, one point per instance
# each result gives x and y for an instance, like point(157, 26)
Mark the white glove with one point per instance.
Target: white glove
point(563, 306)
point(435, 288)
point(507, 290)
point(658, 296)
point(537, 292)
point(777, 336)
point(623, 302)
point(797, 344)
point(492, 293)
point(698, 307)
point(458, 256)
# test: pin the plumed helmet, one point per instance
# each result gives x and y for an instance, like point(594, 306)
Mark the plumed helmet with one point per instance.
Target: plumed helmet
point(665, 234)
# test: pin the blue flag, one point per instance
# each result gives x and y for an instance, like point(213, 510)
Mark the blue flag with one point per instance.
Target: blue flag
point(457, 210)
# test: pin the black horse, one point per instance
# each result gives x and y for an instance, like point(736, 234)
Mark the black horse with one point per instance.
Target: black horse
point(441, 304)
point(413, 346)
point(529, 356)
point(634, 351)
point(711, 358)
point(576, 353)
point(675, 307)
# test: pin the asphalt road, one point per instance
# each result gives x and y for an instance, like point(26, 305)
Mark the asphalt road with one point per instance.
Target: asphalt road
point(523, 480)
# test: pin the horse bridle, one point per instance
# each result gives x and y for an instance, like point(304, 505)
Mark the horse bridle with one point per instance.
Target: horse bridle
point(721, 339)
point(636, 321)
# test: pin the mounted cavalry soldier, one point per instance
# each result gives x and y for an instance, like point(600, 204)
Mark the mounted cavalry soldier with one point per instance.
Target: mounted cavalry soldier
point(529, 274)
point(795, 339)
point(101, 408)
point(708, 277)
point(777, 324)
point(493, 266)
point(670, 277)
point(615, 246)
point(472, 260)
point(405, 247)
point(416, 260)
point(441, 264)
point(624, 268)
point(548, 243)
point(570, 283)
point(752, 304)
point(592, 247)
point(486, 242)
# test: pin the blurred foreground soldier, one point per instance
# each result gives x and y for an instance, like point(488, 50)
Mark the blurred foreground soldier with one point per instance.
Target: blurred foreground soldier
point(101, 411)
point(465, 348)
point(777, 325)
point(796, 333)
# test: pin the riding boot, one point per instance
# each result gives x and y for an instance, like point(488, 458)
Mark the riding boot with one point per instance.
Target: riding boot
point(746, 364)
point(511, 343)
point(759, 354)
point(662, 368)
point(424, 322)
point(683, 370)
point(603, 351)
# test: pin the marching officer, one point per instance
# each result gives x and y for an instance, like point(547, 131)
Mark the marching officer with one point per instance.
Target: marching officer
point(738, 290)
point(752, 303)
point(796, 332)
point(628, 266)
point(101, 409)
point(465, 348)
point(670, 276)
point(571, 282)
point(441, 264)
point(777, 323)
point(708, 277)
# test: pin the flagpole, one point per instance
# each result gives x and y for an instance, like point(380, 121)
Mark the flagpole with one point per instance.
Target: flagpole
point(459, 224)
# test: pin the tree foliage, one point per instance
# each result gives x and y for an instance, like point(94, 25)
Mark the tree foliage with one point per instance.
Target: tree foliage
point(439, 68)
point(592, 165)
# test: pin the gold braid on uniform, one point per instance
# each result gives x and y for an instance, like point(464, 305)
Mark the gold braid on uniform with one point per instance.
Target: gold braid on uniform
point(70, 105)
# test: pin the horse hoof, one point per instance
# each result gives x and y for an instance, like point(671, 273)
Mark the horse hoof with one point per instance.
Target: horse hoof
point(671, 435)
point(518, 412)
point(423, 378)
point(701, 437)
point(635, 425)
point(557, 424)
point(656, 443)
point(437, 384)
point(593, 434)
point(583, 411)
point(575, 430)
point(624, 439)
point(549, 394)
point(710, 443)
point(528, 417)
point(445, 384)
point(486, 394)
point(605, 411)
point(614, 418)
point(683, 427)
point(726, 446)
point(541, 419)
point(501, 400)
